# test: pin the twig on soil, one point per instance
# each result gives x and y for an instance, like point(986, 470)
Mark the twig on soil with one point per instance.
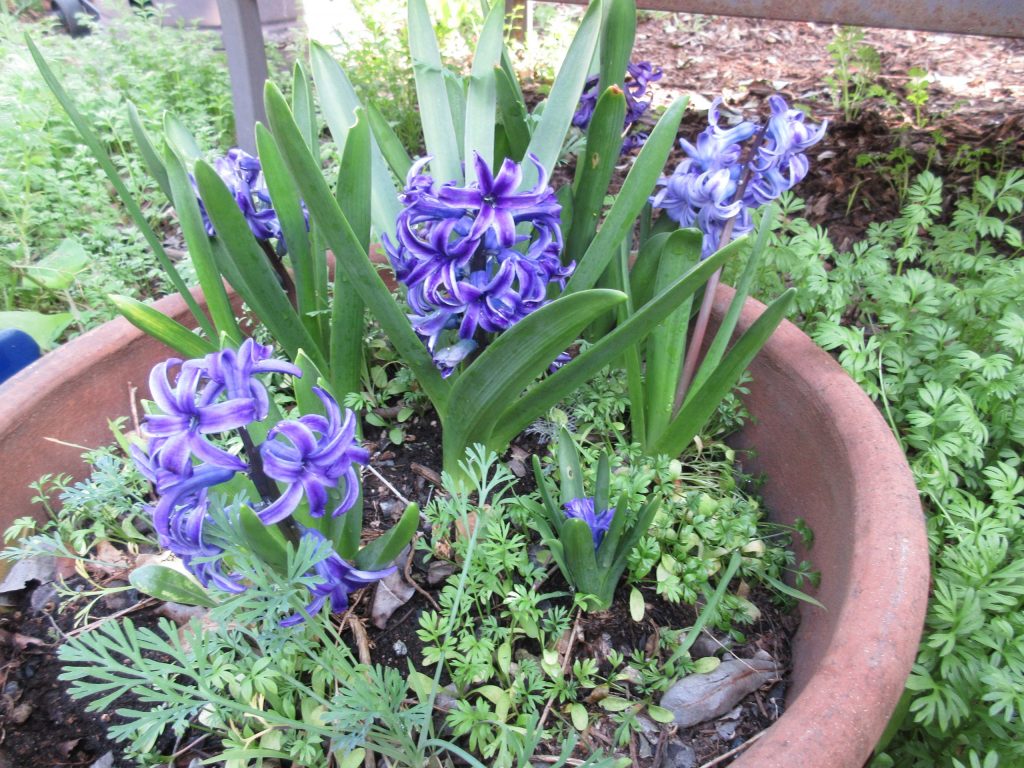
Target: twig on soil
point(411, 580)
point(632, 748)
point(566, 663)
point(557, 759)
point(130, 609)
point(362, 641)
point(184, 750)
point(134, 408)
point(427, 473)
point(389, 486)
point(659, 752)
point(723, 757)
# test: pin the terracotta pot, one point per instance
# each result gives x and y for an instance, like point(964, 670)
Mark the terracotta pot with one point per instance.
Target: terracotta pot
point(830, 458)
point(828, 455)
point(59, 405)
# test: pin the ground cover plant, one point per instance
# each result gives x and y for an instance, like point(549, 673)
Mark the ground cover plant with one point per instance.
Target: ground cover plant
point(925, 314)
point(64, 244)
point(497, 273)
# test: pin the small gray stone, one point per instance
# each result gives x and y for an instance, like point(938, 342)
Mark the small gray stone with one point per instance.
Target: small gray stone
point(679, 755)
point(698, 698)
point(107, 761)
point(43, 595)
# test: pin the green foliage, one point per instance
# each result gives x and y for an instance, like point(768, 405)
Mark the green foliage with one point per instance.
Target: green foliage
point(856, 64)
point(106, 506)
point(52, 196)
point(925, 314)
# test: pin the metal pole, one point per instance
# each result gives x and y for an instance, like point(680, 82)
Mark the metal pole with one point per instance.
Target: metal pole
point(247, 66)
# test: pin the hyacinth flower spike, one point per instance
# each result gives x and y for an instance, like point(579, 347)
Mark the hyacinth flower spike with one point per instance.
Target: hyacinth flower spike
point(639, 76)
point(729, 172)
point(475, 259)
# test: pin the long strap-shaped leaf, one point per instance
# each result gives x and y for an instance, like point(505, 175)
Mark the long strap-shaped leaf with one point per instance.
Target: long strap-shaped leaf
point(594, 171)
point(148, 150)
point(516, 358)
point(96, 147)
point(631, 199)
point(194, 231)
point(258, 286)
point(513, 116)
point(337, 232)
point(161, 327)
point(482, 97)
point(347, 311)
point(559, 385)
point(617, 38)
point(288, 207)
point(339, 102)
point(561, 104)
point(390, 145)
point(714, 354)
point(303, 105)
point(698, 409)
point(435, 112)
point(667, 342)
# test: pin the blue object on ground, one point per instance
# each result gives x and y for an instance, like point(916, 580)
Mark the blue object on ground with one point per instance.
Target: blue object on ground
point(17, 350)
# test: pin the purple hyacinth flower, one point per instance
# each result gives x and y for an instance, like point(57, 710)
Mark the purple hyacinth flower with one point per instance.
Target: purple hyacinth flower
point(704, 189)
point(495, 203)
point(598, 522)
point(179, 517)
point(189, 413)
point(243, 176)
point(235, 371)
point(475, 259)
point(639, 76)
point(319, 454)
point(335, 581)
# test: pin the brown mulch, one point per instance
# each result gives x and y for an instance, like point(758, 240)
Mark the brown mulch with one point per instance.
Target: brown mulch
point(975, 103)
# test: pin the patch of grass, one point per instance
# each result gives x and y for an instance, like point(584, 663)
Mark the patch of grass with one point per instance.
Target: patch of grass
point(52, 188)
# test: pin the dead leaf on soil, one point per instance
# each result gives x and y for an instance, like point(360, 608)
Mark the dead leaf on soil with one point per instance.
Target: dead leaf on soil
point(42, 569)
point(697, 698)
point(392, 593)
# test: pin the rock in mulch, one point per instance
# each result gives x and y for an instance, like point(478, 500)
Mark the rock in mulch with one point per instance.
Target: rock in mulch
point(701, 697)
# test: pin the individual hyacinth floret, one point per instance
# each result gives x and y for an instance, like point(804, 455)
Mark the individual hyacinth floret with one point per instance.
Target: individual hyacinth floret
point(243, 175)
point(598, 522)
point(334, 580)
point(707, 188)
point(319, 454)
point(639, 76)
point(476, 259)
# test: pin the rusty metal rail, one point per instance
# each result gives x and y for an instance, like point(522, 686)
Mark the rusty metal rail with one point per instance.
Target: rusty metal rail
point(996, 18)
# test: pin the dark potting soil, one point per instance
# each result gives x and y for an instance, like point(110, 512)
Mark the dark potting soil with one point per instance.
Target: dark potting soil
point(41, 726)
